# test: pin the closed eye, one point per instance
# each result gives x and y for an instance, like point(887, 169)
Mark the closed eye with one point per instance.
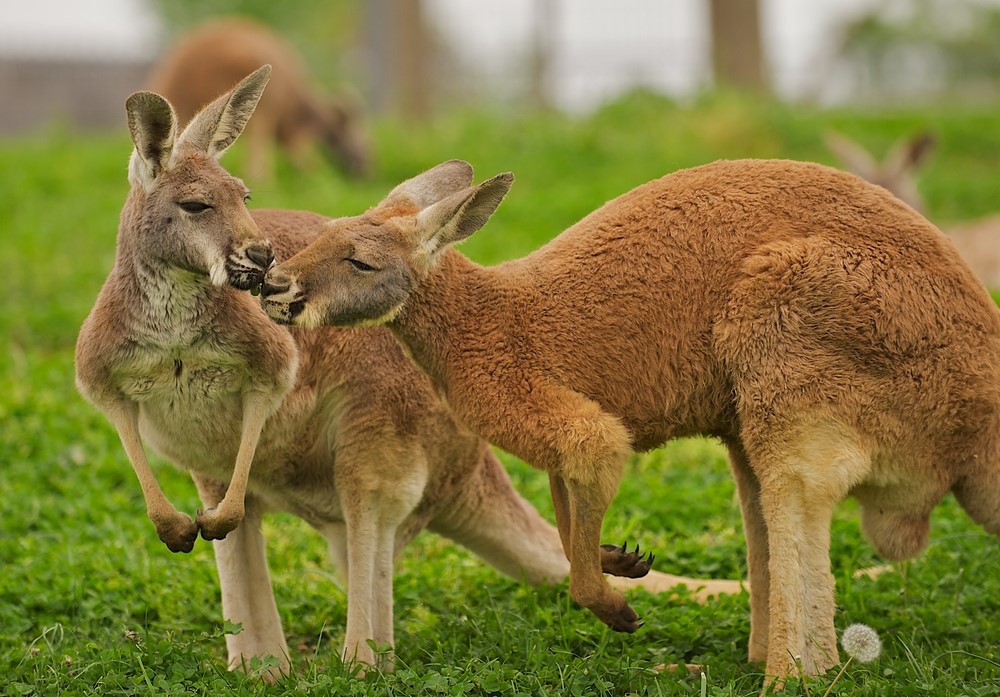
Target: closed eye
point(360, 265)
point(194, 206)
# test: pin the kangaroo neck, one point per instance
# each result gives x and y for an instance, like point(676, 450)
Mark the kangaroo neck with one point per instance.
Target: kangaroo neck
point(442, 311)
point(166, 301)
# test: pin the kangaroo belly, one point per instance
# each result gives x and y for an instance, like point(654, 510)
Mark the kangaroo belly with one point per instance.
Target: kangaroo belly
point(192, 415)
point(199, 435)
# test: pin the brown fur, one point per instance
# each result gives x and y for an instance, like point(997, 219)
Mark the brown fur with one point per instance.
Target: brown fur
point(978, 241)
point(830, 336)
point(341, 428)
point(213, 56)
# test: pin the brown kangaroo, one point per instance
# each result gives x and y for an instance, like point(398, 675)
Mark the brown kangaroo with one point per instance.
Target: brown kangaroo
point(340, 427)
point(831, 337)
point(213, 56)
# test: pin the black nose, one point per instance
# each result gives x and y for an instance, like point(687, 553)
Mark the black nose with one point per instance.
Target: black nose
point(261, 255)
point(273, 285)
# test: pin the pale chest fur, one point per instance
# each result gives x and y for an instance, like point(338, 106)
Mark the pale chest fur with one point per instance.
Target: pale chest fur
point(191, 412)
point(190, 400)
point(187, 372)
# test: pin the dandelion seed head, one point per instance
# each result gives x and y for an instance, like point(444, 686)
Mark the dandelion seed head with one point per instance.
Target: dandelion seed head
point(861, 643)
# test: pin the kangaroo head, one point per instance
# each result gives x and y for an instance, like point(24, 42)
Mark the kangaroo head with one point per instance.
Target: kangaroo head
point(191, 213)
point(361, 270)
point(343, 134)
point(896, 173)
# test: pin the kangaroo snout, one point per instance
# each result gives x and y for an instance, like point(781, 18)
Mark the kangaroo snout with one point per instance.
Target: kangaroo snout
point(261, 254)
point(247, 264)
point(275, 282)
point(281, 298)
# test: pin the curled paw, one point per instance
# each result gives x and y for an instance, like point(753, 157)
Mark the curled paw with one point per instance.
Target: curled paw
point(214, 526)
point(178, 533)
point(618, 561)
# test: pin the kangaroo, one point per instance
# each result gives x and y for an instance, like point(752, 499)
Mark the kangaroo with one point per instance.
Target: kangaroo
point(213, 56)
point(830, 337)
point(978, 240)
point(340, 427)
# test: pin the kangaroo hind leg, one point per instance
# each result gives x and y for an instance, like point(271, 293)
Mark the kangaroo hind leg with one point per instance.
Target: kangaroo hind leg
point(245, 583)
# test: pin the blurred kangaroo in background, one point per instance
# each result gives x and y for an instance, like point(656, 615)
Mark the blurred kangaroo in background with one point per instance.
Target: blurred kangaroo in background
point(978, 240)
point(212, 57)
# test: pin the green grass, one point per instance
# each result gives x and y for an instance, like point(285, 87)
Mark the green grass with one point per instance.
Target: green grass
point(91, 603)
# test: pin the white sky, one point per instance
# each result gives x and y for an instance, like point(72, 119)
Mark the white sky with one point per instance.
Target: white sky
point(658, 43)
point(70, 28)
point(601, 46)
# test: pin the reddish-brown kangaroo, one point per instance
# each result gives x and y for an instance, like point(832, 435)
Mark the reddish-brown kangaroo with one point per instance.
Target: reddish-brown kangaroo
point(829, 335)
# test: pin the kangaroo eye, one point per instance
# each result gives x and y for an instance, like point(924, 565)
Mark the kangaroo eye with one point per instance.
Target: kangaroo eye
point(194, 206)
point(360, 265)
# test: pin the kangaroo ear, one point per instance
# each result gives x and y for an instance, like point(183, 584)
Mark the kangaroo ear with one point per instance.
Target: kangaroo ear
point(456, 217)
point(153, 126)
point(852, 155)
point(908, 155)
point(433, 185)
point(218, 125)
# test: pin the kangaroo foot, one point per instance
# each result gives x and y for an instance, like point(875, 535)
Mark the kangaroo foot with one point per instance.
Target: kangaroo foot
point(620, 618)
point(591, 590)
point(618, 561)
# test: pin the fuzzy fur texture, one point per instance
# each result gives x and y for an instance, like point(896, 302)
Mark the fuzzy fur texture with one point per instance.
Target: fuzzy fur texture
point(831, 337)
point(977, 240)
point(340, 427)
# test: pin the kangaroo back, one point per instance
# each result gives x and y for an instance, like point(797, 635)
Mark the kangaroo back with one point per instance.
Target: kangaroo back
point(978, 240)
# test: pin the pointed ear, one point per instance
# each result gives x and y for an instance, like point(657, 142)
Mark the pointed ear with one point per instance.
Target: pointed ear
point(456, 217)
point(153, 127)
point(852, 155)
point(218, 125)
point(432, 186)
point(907, 156)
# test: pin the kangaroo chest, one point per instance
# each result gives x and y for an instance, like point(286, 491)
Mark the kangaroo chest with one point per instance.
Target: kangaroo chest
point(188, 379)
point(190, 401)
point(191, 412)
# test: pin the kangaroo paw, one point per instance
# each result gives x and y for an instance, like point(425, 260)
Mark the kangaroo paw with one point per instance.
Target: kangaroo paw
point(215, 525)
point(618, 561)
point(178, 533)
point(621, 618)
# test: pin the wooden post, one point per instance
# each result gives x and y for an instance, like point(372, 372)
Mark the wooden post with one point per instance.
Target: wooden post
point(396, 50)
point(737, 53)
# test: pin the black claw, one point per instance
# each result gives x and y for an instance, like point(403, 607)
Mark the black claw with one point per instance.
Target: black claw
point(651, 558)
point(624, 547)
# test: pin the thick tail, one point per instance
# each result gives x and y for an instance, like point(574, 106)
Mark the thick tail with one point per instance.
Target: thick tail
point(492, 519)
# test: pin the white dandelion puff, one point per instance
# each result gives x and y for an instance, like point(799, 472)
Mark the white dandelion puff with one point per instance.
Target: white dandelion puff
point(861, 643)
